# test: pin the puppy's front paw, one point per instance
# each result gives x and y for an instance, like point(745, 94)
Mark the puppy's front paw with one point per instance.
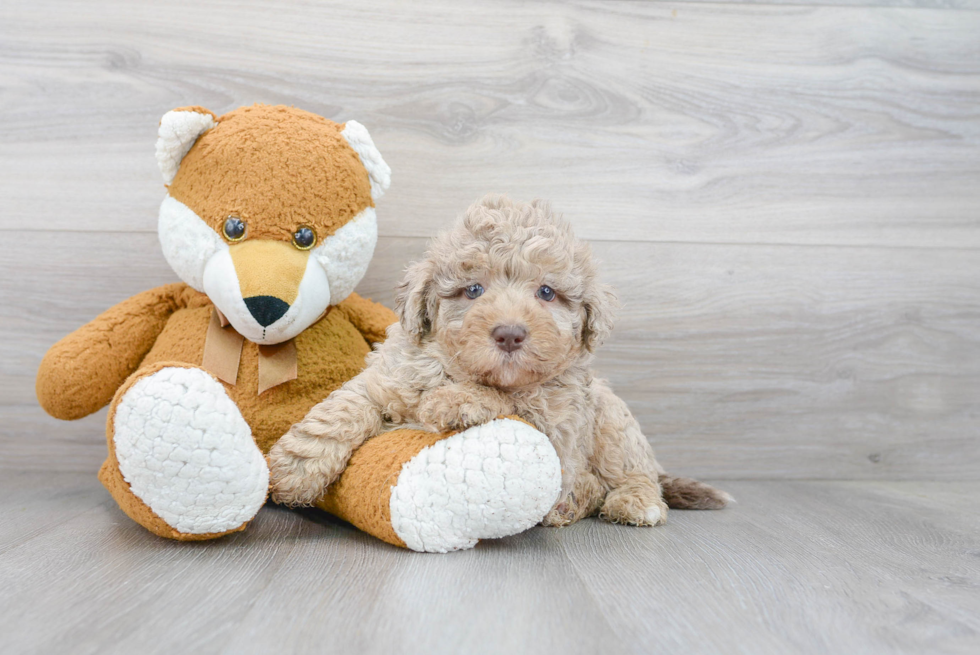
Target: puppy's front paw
point(562, 514)
point(454, 408)
point(296, 479)
point(584, 499)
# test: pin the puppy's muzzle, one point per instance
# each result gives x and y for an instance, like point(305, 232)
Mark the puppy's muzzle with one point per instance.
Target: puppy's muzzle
point(509, 337)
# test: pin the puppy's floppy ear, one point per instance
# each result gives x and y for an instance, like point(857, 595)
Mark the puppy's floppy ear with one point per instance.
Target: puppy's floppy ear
point(600, 304)
point(415, 302)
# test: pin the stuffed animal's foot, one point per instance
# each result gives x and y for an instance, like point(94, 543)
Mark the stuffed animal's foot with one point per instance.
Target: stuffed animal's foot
point(437, 493)
point(182, 459)
point(489, 481)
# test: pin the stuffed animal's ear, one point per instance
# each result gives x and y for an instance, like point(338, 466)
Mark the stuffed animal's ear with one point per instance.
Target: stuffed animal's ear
point(600, 306)
point(415, 301)
point(378, 171)
point(179, 130)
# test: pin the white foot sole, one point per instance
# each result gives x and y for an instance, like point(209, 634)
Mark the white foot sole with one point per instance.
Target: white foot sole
point(185, 450)
point(489, 481)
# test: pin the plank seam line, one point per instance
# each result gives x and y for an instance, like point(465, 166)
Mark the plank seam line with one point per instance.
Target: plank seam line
point(665, 242)
point(587, 587)
point(820, 5)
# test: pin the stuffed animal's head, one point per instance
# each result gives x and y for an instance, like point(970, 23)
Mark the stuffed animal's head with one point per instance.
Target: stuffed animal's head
point(270, 212)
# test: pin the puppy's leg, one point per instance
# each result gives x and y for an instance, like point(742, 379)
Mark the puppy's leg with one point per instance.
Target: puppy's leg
point(641, 490)
point(624, 460)
point(583, 499)
point(308, 458)
point(460, 406)
point(636, 501)
point(581, 491)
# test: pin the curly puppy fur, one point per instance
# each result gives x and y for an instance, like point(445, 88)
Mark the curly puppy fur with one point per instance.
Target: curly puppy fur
point(454, 361)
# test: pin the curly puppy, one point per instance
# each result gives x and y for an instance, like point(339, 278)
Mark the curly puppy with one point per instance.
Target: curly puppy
point(501, 317)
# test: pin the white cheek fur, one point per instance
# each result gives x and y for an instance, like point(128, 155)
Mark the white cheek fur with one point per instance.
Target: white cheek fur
point(221, 285)
point(187, 241)
point(346, 254)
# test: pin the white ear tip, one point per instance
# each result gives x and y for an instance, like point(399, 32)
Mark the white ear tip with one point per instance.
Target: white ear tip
point(177, 134)
point(378, 171)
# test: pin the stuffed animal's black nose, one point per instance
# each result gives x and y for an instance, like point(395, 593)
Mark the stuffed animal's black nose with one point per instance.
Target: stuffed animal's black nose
point(266, 309)
point(509, 337)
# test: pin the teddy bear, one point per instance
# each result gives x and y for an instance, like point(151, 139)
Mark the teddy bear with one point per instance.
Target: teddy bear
point(269, 221)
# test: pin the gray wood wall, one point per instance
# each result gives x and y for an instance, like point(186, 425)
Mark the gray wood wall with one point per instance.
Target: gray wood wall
point(787, 196)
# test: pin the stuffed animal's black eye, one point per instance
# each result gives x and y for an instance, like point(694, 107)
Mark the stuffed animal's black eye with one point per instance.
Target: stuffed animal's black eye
point(234, 228)
point(473, 291)
point(546, 293)
point(304, 238)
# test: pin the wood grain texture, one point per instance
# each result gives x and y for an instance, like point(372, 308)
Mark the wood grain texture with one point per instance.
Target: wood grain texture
point(730, 123)
point(827, 570)
point(739, 361)
point(802, 567)
point(970, 5)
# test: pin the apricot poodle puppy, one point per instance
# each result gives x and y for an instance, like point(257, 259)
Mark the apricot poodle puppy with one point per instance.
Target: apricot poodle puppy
point(501, 317)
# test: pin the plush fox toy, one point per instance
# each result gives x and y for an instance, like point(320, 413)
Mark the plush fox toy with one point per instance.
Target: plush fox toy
point(270, 223)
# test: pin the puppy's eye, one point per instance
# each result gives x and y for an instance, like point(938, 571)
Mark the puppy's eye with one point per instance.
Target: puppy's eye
point(234, 228)
point(546, 293)
point(304, 238)
point(473, 291)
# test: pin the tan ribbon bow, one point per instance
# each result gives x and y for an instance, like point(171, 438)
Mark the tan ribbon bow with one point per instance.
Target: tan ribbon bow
point(223, 355)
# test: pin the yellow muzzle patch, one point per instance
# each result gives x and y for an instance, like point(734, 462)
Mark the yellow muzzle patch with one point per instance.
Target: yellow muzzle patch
point(269, 268)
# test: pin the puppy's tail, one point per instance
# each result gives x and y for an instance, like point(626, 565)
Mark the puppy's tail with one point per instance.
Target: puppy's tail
point(685, 493)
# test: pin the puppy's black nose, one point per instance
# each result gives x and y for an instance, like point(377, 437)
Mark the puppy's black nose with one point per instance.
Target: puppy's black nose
point(266, 309)
point(509, 337)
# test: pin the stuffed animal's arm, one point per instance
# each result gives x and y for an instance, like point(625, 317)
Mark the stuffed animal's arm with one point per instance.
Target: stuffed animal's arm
point(370, 318)
point(80, 373)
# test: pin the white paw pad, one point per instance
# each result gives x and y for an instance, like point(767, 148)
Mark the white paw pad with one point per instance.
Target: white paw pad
point(185, 450)
point(492, 480)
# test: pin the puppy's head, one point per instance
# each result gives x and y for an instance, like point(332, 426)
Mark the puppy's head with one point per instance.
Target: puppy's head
point(508, 297)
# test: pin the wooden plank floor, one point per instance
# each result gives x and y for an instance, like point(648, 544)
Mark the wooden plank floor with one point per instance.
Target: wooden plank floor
point(795, 567)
